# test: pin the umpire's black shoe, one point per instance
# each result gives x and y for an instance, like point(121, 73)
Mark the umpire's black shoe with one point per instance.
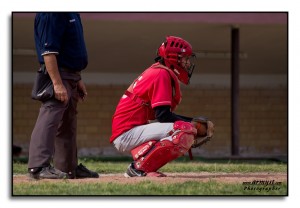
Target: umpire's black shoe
point(82, 172)
point(133, 172)
point(46, 173)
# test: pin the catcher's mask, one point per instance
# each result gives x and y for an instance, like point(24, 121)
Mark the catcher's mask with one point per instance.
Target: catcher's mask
point(177, 54)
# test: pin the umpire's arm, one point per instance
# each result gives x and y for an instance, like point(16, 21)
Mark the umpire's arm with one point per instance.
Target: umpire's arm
point(59, 89)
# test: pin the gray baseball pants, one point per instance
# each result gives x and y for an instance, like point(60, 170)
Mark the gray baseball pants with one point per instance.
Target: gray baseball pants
point(141, 134)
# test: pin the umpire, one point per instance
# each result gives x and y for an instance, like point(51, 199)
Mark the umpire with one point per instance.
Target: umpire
point(62, 53)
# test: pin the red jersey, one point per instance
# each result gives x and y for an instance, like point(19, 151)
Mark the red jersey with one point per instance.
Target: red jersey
point(156, 86)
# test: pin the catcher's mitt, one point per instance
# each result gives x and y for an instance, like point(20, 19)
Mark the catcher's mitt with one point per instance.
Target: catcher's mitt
point(205, 131)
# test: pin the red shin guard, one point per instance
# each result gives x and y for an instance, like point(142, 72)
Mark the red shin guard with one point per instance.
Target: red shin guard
point(152, 155)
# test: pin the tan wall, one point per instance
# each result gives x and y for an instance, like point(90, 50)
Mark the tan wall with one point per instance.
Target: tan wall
point(263, 118)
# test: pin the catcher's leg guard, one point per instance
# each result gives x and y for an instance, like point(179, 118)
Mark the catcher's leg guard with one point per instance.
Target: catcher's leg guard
point(152, 155)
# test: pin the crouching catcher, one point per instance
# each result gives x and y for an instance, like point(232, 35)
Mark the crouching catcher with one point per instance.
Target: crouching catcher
point(144, 122)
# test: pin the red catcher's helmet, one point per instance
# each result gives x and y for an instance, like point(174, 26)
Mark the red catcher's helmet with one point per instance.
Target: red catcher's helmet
point(172, 51)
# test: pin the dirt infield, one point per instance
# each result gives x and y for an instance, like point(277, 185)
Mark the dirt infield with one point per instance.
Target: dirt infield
point(171, 178)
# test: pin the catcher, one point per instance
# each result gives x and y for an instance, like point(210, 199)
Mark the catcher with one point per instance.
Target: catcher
point(144, 122)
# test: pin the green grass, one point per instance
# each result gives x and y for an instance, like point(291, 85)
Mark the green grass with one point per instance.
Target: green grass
point(149, 188)
point(181, 165)
point(143, 188)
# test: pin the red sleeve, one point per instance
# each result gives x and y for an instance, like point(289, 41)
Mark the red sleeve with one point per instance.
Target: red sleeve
point(161, 93)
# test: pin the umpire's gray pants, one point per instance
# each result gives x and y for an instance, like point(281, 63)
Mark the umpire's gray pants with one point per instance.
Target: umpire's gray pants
point(54, 134)
point(141, 134)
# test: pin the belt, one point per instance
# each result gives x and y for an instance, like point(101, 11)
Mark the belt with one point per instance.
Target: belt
point(69, 70)
point(63, 69)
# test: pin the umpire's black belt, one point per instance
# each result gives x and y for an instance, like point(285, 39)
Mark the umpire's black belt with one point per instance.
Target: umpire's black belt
point(63, 69)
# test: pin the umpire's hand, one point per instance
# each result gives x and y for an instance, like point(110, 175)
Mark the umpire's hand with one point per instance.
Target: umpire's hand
point(61, 93)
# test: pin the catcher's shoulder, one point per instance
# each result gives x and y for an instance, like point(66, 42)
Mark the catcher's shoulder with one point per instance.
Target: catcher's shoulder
point(157, 71)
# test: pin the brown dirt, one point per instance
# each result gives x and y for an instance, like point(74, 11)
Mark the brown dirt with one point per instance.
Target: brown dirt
point(171, 178)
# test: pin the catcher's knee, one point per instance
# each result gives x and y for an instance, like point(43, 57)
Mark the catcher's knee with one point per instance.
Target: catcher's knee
point(152, 155)
point(184, 134)
point(184, 127)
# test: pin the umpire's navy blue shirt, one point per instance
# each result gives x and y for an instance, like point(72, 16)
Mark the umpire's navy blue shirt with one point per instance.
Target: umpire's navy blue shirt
point(61, 34)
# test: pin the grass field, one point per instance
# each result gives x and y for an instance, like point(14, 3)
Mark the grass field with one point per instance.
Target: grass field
point(184, 178)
